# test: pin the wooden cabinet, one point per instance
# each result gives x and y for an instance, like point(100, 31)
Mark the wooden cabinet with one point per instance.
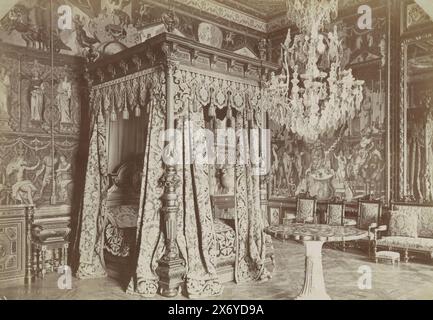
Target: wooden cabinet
point(12, 242)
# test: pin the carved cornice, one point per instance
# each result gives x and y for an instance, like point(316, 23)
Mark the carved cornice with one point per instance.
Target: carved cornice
point(169, 50)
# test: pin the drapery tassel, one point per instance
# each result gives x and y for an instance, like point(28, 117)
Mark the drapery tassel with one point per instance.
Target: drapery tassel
point(137, 111)
point(229, 112)
point(101, 115)
point(229, 116)
point(113, 115)
point(248, 107)
point(194, 103)
point(110, 100)
point(149, 105)
point(211, 112)
point(250, 115)
point(125, 112)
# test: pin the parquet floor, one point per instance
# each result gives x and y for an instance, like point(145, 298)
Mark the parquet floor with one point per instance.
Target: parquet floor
point(408, 281)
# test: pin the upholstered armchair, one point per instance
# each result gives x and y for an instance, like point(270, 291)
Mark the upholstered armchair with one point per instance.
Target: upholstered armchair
point(369, 218)
point(305, 211)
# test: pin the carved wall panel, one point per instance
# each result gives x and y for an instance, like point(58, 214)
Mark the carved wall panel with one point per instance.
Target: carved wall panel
point(12, 243)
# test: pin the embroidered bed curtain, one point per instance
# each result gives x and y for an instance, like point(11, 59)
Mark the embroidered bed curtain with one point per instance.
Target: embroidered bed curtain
point(91, 261)
point(196, 240)
point(106, 101)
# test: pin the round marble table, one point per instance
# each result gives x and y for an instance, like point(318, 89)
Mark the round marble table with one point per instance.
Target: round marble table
point(314, 236)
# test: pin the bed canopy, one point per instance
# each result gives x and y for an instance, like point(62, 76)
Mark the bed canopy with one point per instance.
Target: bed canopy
point(174, 82)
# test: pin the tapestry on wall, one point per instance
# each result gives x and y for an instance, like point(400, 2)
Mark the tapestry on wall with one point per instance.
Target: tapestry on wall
point(38, 131)
point(350, 163)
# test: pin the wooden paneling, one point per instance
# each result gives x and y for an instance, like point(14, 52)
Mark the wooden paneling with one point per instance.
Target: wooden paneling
point(12, 243)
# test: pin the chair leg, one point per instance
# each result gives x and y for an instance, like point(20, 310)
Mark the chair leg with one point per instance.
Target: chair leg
point(35, 262)
point(44, 267)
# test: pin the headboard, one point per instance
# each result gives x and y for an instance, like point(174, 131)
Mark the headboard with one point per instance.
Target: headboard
point(125, 183)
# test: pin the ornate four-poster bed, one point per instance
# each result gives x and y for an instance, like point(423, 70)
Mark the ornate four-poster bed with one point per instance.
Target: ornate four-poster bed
point(174, 225)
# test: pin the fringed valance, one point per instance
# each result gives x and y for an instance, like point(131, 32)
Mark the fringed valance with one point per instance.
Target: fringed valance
point(130, 95)
point(201, 89)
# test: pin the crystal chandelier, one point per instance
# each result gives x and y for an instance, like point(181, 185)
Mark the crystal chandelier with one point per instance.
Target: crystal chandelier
point(313, 95)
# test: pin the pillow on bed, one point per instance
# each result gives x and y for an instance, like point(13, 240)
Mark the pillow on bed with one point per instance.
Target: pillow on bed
point(403, 224)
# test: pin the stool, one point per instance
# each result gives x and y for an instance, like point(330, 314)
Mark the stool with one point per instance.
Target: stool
point(391, 256)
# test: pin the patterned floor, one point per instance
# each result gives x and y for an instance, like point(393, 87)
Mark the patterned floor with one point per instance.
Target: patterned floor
point(409, 281)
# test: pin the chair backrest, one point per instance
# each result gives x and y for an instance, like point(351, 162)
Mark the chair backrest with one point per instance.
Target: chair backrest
point(335, 213)
point(306, 209)
point(369, 211)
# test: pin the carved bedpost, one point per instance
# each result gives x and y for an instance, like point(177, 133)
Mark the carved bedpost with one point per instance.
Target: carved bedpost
point(171, 268)
point(30, 213)
point(264, 178)
point(265, 145)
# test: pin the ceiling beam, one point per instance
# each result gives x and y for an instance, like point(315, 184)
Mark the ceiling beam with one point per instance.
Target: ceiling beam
point(427, 5)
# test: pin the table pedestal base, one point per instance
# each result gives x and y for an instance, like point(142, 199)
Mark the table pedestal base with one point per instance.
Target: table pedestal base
point(314, 285)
